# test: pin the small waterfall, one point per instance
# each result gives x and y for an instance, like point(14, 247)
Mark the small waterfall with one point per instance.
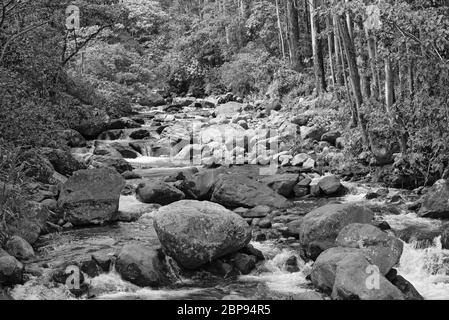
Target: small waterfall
point(427, 269)
point(274, 274)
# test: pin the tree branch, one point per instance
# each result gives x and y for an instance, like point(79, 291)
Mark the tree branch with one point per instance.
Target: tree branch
point(17, 35)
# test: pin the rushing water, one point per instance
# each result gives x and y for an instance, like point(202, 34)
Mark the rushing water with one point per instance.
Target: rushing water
point(427, 268)
point(426, 265)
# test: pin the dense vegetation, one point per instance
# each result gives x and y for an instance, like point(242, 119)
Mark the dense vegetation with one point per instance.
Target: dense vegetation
point(386, 67)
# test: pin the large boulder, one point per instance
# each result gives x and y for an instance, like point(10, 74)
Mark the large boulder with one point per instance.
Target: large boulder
point(118, 164)
point(63, 161)
point(197, 186)
point(228, 109)
point(29, 221)
point(330, 185)
point(331, 137)
point(321, 227)
point(158, 192)
point(355, 279)
point(102, 148)
point(11, 270)
point(325, 267)
point(152, 99)
point(125, 150)
point(349, 275)
point(141, 265)
point(91, 196)
point(235, 191)
point(195, 233)
point(19, 248)
point(72, 138)
point(313, 133)
point(282, 183)
point(435, 202)
point(35, 165)
point(379, 247)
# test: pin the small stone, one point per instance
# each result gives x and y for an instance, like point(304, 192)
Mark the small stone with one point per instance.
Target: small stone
point(265, 224)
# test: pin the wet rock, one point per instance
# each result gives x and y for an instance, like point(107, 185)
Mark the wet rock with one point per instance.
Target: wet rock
point(11, 270)
point(321, 227)
point(19, 248)
point(407, 289)
point(130, 175)
point(291, 265)
point(377, 246)
point(158, 192)
point(308, 296)
point(142, 266)
point(351, 282)
point(382, 225)
point(330, 185)
point(91, 268)
point(119, 164)
point(264, 223)
point(235, 191)
point(257, 212)
point(250, 250)
point(294, 226)
point(282, 183)
point(105, 149)
point(325, 267)
point(300, 191)
point(91, 196)
point(435, 204)
point(110, 135)
point(244, 263)
point(140, 134)
point(195, 232)
point(220, 268)
point(125, 150)
point(122, 123)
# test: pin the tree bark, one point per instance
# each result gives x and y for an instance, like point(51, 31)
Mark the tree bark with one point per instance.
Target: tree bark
point(355, 79)
point(318, 62)
point(294, 35)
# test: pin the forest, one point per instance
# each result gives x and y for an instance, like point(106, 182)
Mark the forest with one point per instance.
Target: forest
point(355, 90)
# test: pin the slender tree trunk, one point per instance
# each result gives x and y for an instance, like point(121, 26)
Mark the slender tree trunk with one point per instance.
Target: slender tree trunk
point(389, 85)
point(330, 45)
point(355, 80)
point(338, 63)
point(294, 34)
point(281, 35)
point(318, 62)
point(366, 83)
point(375, 90)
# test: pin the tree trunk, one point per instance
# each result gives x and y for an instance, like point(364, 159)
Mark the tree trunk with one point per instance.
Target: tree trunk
point(355, 79)
point(372, 53)
point(330, 47)
point(318, 62)
point(281, 33)
point(293, 35)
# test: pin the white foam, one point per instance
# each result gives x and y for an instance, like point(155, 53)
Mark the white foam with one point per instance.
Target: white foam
point(273, 272)
point(427, 269)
